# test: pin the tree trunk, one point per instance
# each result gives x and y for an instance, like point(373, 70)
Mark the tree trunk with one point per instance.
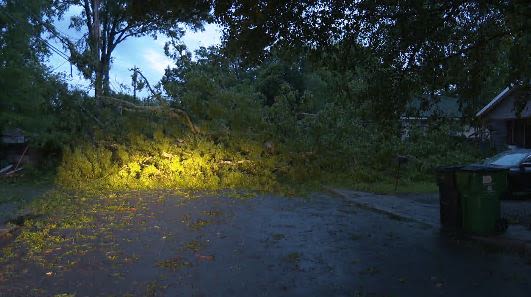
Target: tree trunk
point(105, 65)
point(98, 90)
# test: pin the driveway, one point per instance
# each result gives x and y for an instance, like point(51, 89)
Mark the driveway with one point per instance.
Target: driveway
point(162, 244)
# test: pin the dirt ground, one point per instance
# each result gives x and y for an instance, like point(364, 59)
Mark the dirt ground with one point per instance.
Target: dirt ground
point(160, 244)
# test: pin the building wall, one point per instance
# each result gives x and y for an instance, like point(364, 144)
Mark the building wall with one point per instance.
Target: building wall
point(498, 134)
point(506, 128)
point(514, 132)
point(505, 110)
point(519, 131)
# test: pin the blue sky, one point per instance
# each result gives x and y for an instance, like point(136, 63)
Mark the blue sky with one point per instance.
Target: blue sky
point(144, 52)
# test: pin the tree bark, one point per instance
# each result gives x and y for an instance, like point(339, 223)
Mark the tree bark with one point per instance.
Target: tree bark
point(98, 84)
point(105, 65)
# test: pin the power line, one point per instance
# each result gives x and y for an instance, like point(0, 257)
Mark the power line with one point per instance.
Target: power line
point(62, 64)
point(53, 48)
point(53, 30)
point(56, 50)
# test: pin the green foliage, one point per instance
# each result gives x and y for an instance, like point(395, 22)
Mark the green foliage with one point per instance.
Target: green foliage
point(295, 119)
point(118, 20)
point(164, 162)
point(25, 91)
point(471, 48)
point(305, 134)
point(33, 99)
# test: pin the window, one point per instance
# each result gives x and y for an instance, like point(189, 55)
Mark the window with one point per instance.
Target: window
point(519, 132)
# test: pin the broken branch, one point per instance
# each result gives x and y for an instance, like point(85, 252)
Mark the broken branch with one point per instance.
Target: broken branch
point(172, 112)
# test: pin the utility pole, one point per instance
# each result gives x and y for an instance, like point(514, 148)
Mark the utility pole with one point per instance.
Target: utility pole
point(135, 81)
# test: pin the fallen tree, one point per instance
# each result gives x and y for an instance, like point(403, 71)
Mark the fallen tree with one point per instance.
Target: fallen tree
point(164, 110)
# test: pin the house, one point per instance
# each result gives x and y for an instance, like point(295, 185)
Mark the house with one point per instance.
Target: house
point(13, 136)
point(508, 127)
point(421, 110)
point(424, 108)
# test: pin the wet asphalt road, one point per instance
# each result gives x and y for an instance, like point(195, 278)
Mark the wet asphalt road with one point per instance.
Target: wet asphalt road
point(274, 246)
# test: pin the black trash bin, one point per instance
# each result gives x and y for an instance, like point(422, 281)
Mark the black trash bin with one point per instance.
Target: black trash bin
point(449, 199)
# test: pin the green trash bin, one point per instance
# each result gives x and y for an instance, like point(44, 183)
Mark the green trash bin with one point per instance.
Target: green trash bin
point(481, 188)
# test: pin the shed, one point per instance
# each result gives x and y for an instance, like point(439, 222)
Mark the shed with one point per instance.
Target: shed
point(13, 136)
point(13, 147)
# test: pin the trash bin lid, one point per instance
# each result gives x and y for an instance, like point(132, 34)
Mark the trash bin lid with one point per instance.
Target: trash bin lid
point(448, 169)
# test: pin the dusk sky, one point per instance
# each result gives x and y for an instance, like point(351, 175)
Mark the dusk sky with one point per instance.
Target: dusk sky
point(144, 52)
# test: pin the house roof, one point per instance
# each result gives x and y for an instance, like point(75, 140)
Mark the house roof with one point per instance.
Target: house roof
point(499, 98)
point(441, 106)
point(511, 103)
point(16, 132)
point(11, 136)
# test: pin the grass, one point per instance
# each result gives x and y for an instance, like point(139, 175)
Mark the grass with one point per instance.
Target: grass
point(21, 192)
point(384, 184)
point(389, 188)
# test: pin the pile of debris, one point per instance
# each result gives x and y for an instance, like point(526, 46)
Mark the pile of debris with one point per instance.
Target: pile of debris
point(10, 171)
point(13, 170)
point(14, 149)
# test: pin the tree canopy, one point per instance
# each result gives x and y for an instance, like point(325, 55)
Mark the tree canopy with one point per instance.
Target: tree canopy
point(107, 23)
point(26, 90)
point(300, 89)
point(446, 45)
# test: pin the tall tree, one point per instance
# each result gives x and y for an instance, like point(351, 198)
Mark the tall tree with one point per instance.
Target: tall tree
point(107, 23)
point(23, 78)
point(438, 43)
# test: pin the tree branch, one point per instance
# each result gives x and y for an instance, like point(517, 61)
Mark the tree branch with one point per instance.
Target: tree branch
point(147, 83)
point(121, 33)
point(172, 112)
point(86, 6)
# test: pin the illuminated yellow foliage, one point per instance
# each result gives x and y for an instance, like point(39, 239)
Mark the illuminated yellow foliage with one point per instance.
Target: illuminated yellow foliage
point(164, 162)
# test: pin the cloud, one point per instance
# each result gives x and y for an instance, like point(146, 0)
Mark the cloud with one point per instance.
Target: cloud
point(156, 60)
point(209, 37)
